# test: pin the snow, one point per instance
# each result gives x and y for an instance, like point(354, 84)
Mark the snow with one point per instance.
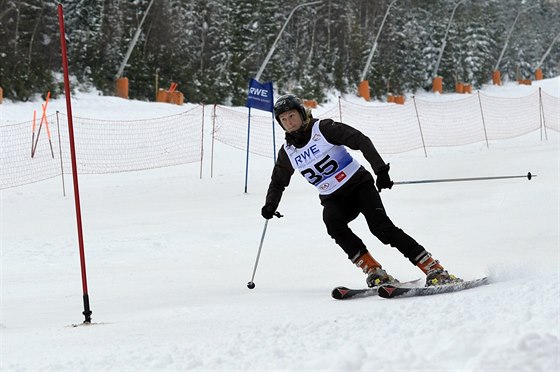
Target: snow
point(169, 256)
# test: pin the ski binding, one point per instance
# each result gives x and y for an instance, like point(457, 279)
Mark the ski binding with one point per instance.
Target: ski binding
point(393, 291)
point(344, 293)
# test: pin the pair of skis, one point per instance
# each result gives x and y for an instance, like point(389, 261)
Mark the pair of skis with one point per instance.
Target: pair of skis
point(405, 289)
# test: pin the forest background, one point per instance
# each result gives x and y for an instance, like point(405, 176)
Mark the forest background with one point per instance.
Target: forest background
point(212, 48)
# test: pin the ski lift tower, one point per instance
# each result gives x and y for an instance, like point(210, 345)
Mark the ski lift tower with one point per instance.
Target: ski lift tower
point(538, 71)
point(437, 81)
point(363, 87)
point(273, 47)
point(121, 83)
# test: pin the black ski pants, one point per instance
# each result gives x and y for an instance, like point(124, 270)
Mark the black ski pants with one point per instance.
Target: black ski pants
point(339, 211)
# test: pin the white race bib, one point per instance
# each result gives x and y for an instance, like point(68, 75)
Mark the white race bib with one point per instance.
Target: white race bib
point(324, 165)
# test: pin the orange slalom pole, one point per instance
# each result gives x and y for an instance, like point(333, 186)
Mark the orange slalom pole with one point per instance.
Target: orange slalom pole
point(43, 117)
point(47, 126)
point(47, 122)
point(44, 106)
point(49, 136)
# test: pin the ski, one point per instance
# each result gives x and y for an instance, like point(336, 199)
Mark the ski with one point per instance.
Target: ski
point(344, 293)
point(392, 291)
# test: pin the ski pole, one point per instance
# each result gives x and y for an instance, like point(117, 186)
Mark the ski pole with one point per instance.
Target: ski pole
point(251, 284)
point(528, 176)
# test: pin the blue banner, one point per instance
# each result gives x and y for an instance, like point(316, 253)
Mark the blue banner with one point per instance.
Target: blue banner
point(260, 96)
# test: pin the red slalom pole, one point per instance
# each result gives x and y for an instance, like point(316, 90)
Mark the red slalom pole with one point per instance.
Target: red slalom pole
point(87, 311)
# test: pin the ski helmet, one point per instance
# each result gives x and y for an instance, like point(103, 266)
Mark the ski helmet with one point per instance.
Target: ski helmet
point(289, 102)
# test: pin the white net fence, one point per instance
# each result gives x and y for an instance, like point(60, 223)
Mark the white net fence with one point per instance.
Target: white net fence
point(231, 127)
point(415, 125)
point(104, 146)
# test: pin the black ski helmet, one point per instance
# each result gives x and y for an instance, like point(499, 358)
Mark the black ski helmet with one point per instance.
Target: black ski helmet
point(289, 102)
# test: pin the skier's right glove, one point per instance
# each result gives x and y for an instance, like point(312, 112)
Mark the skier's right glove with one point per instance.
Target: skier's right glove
point(268, 211)
point(383, 179)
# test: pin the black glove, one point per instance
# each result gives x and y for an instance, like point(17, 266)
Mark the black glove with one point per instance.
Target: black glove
point(268, 211)
point(383, 179)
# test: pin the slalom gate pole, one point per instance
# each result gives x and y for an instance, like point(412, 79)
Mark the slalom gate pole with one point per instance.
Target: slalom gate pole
point(251, 284)
point(528, 176)
point(43, 118)
point(49, 136)
point(87, 312)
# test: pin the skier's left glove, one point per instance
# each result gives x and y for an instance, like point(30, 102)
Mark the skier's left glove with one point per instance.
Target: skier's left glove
point(383, 179)
point(268, 211)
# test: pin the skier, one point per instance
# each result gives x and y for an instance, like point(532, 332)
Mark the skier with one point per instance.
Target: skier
point(317, 149)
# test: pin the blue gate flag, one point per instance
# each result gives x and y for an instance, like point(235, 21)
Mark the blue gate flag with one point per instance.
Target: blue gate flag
point(260, 96)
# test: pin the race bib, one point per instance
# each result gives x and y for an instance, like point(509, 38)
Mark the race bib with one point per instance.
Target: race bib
point(324, 165)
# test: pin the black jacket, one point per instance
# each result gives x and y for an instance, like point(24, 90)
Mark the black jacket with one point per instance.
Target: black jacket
point(337, 134)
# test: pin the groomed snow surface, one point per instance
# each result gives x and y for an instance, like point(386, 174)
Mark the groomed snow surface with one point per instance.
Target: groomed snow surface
point(169, 256)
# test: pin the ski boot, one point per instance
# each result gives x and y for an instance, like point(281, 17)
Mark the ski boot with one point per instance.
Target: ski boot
point(441, 277)
point(376, 276)
point(435, 273)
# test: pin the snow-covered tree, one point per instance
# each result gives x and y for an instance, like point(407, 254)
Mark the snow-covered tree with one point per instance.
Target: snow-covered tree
point(28, 48)
point(211, 48)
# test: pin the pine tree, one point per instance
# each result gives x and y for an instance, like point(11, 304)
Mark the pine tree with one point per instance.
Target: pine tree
point(83, 20)
point(30, 54)
point(475, 46)
point(242, 27)
point(110, 44)
point(211, 48)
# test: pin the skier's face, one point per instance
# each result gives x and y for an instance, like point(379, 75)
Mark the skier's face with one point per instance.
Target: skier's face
point(291, 120)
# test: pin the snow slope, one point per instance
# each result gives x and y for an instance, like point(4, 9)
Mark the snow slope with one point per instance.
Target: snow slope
point(169, 255)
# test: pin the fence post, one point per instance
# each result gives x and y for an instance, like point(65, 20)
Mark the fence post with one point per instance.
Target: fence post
point(248, 147)
point(202, 141)
point(273, 138)
point(419, 126)
point(483, 122)
point(33, 133)
point(60, 150)
point(213, 137)
point(541, 115)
